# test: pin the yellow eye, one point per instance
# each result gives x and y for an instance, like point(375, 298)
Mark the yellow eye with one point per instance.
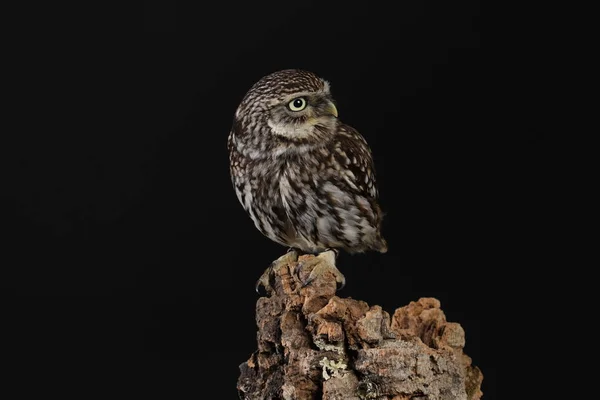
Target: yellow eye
point(298, 104)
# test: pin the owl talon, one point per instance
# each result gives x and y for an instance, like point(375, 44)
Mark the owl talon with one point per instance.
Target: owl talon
point(324, 262)
point(264, 284)
point(260, 288)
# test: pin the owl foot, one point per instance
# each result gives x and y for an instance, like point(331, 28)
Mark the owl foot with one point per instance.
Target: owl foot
point(265, 281)
point(322, 263)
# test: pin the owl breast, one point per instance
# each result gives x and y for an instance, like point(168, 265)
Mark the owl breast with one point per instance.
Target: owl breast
point(300, 199)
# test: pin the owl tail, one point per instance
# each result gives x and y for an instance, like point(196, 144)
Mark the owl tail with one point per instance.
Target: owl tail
point(381, 245)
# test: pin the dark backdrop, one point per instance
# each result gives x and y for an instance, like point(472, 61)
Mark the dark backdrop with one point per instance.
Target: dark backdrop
point(129, 256)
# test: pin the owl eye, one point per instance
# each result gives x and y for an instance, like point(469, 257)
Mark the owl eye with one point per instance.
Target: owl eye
point(298, 104)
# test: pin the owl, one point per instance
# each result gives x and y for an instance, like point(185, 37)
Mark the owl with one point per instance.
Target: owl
point(305, 178)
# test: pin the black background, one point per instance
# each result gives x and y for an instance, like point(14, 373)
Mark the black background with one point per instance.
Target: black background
point(131, 259)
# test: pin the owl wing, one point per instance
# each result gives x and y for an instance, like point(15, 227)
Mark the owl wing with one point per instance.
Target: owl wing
point(353, 155)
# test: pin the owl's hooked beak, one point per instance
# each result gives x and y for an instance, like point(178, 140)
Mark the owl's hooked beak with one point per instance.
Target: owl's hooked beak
point(331, 109)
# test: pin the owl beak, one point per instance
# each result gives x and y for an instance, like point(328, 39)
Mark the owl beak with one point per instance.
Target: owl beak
point(331, 109)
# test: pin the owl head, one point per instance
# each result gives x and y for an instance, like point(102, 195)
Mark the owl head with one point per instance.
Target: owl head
point(292, 105)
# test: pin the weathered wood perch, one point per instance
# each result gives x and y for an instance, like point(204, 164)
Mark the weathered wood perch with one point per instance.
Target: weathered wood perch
point(313, 344)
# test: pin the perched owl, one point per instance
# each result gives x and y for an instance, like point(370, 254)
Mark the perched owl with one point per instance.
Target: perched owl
point(305, 178)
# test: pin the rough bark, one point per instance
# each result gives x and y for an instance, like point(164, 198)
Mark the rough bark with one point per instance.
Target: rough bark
point(313, 344)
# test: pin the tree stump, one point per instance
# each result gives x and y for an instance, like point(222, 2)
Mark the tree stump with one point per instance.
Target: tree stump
point(313, 344)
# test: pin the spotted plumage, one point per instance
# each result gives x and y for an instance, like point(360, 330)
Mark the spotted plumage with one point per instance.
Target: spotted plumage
point(305, 178)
